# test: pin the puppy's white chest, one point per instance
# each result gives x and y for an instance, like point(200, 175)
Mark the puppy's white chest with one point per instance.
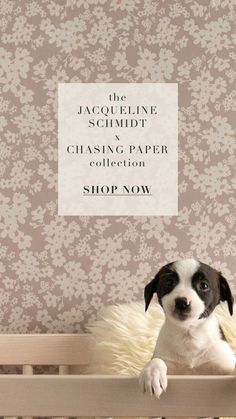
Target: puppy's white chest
point(191, 350)
point(182, 348)
point(186, 356)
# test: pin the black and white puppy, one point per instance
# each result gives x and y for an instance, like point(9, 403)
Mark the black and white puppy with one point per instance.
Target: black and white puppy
point(190, 340)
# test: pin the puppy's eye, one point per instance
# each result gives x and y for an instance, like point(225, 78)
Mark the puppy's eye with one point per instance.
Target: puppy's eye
point(203, 286)
point(169, 281)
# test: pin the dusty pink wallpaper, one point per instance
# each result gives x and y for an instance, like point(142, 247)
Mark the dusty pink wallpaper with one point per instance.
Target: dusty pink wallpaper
point(57, 272)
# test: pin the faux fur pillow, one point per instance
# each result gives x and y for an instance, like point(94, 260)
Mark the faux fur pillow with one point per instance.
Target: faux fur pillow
point(126, 336)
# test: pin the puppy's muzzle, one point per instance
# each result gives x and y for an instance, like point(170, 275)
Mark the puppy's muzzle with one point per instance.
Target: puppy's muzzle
point(182, 305)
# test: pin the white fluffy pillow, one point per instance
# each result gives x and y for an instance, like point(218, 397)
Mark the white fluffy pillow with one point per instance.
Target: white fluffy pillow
point(125, 336)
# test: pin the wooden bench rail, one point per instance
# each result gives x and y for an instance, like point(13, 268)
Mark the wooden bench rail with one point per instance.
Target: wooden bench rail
point(29, 395)
point(47, 395)
point(46, 349)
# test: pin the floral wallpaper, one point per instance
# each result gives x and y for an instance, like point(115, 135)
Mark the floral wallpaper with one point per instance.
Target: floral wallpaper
point(58, 272)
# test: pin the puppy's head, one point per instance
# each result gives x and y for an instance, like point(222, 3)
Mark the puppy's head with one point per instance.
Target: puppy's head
point(188, 291)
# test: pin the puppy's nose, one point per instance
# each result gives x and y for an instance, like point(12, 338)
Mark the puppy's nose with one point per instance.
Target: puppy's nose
point(181, 303)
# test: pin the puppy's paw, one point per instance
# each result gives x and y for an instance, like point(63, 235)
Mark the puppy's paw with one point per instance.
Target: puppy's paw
point(153, 377)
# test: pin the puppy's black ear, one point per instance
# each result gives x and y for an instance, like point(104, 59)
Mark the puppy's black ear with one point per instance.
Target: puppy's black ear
point(225, 293)
point(149, 290)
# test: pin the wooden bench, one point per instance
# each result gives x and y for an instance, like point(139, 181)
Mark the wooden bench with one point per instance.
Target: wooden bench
point(70, 393)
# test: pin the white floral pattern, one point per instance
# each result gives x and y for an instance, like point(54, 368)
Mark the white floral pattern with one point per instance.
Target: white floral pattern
point(58, 272)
